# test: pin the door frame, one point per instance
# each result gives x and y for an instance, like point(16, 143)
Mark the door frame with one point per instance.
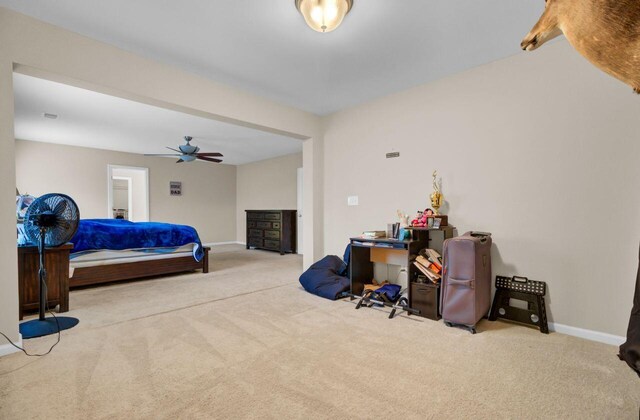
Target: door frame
point(300, 212)
point(110, 169)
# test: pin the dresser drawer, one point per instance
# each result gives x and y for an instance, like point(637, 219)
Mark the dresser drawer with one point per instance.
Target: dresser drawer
point(272, 234)
point(257, 242)
point(272, 216)
point(276, 225)
point(255, 233)
point(271, 244)
point(263, 225)
point(253, 215)
point(251, 224)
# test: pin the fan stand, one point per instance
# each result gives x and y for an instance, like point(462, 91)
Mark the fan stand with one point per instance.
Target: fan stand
point(45, 326)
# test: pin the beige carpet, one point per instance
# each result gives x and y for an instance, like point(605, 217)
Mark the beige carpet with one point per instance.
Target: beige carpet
point(245, 341)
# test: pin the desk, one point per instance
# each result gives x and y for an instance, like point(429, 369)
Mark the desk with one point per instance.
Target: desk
point(364, 252)
point(57, 266)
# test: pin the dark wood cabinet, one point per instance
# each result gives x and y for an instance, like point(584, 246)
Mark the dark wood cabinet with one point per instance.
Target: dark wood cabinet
point(57, 266)
point(274, 230)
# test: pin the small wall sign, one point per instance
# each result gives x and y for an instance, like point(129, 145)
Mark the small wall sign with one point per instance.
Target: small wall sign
point(175, 188)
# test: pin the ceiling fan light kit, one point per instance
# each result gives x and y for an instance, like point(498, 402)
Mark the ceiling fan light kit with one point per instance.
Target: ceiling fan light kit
point(324, 15)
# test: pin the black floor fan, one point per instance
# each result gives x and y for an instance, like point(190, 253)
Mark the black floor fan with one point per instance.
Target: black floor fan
point(50, 221)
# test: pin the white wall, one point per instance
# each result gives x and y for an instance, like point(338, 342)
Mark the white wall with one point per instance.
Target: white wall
point(43, 50)
point(268, 184)
point(540, 149)
point(208, 199)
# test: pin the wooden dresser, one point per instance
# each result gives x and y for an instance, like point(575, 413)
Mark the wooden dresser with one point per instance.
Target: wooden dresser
point(57, 266)
point(274, 230)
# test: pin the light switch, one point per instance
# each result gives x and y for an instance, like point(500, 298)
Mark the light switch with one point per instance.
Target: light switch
point(352, 200)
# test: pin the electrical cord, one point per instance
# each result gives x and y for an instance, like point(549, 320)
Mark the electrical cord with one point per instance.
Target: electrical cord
point(57, 324)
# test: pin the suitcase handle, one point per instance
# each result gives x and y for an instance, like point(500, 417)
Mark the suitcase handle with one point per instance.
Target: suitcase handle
point(481, 235)
point(466, 283)
point(519, 279)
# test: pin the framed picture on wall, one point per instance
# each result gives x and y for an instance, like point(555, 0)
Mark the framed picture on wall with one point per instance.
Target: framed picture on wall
point(175, 188)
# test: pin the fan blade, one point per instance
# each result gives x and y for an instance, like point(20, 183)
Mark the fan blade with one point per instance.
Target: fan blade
point(175, 150)
point(43, 207)
point(209, 159)
point(60, 208)
point(180, 161)
point(210, 154)
point(161, 154)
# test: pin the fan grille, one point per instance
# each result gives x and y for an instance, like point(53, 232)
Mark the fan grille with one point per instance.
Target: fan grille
point(57, 213)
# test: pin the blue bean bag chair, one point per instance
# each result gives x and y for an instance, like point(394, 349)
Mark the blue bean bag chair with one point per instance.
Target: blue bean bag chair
point(328, 278)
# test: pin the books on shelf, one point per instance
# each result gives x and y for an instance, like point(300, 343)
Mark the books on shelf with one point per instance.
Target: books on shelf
point(433, 256)
point(430, 274)
point(429, 262)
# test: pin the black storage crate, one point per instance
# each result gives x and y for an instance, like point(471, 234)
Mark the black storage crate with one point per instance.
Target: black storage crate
point(425, 297)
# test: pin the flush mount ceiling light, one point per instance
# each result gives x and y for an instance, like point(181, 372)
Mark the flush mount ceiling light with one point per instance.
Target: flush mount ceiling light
point(324, 15)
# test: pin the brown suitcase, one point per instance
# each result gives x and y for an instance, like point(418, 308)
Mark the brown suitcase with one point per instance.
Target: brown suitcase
point(466, 284)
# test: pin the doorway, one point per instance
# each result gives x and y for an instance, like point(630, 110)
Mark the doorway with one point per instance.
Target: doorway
point(122, 197)
point(128, 193)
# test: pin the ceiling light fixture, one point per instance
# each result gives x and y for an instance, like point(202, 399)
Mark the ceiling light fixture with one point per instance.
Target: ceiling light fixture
point(50, 116)
point(324, 15)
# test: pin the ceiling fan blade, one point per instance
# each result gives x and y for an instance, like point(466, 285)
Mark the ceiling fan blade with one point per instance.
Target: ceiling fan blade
point(210, 154)
point(209, 159)
point(180, 161)
point(175, 150)
point(163, 154)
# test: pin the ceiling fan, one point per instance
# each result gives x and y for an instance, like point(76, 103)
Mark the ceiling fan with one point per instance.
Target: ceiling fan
point(189, 153)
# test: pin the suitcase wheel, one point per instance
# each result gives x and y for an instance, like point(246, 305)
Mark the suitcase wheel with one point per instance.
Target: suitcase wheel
point(472, 330)
point(448, 324)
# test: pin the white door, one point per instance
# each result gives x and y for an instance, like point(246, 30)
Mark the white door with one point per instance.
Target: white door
point(300, 201)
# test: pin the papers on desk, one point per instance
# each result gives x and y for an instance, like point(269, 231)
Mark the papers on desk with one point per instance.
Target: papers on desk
point(374, 234)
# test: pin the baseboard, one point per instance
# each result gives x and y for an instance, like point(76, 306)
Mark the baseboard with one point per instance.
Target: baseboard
point(210, 244)
point(598, 336)
point(6, 349)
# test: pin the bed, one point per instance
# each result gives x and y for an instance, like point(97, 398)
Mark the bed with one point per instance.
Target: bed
point(107, 250)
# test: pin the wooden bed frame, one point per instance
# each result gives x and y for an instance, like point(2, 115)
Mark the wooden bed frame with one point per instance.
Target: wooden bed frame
point(85, 276)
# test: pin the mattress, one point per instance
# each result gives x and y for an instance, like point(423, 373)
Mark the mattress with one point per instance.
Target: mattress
point(107, 257)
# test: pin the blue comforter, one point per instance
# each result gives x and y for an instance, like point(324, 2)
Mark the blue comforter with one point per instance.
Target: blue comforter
point(114, 234)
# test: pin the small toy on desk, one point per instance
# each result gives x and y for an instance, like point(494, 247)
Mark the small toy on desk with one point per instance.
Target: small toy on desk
point(422, 218)
point(404, 219)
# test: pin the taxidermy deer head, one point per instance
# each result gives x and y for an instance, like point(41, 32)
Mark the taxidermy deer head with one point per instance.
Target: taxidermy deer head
point(605, 32)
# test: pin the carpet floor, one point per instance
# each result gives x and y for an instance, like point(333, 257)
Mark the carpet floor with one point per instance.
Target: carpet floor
point(245, 341)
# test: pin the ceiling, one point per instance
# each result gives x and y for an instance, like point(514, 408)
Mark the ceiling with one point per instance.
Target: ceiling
point(265, 47)
point(91, 119)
